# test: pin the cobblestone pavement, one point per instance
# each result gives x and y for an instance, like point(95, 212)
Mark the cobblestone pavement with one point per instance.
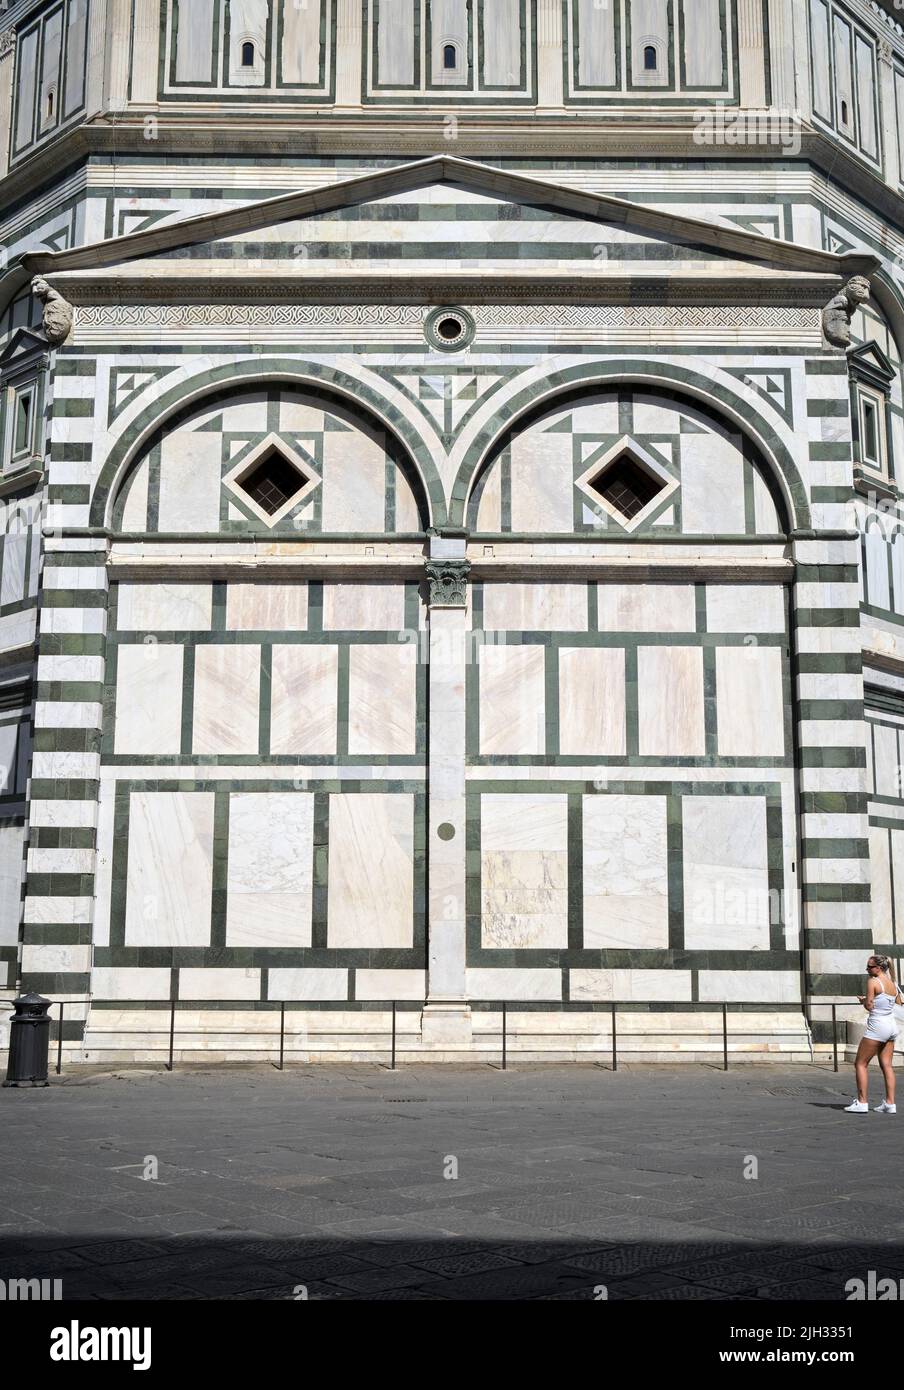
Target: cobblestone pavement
point(337, 1183)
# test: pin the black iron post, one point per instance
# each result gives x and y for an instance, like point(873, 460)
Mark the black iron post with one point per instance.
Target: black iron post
point(504, 1038)
point(393, 1067)
point(29, 1042)
point(282, 1034)
point(725, 1037)
point(172, 1033)
point(614, 1041)
point(834, 1041)
point(59, 1065)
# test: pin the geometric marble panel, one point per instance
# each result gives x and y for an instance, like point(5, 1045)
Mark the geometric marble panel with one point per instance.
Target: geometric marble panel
point(363, 607)
point(270, 876)
point(726, 873)
point(592, 701)
point(370, 898)
point(267, 607)
point(524, 871)
point(163, 607)
point(750, 703)
point(745, 608)
point(304, 699)
point(382, 698)
point(670, 701)
point(227, 698)
point(646, 608)
point(626, 881)
point(512, 700)
point(148, 698)
point(535, 607)
point(170, 869)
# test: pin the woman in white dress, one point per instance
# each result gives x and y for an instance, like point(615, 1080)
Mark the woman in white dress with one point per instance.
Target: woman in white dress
point(878, 1039)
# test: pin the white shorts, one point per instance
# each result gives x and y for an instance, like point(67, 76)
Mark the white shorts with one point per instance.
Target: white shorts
point(881, 1029)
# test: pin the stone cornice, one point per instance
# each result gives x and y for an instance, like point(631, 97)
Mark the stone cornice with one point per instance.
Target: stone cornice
point(633, 136)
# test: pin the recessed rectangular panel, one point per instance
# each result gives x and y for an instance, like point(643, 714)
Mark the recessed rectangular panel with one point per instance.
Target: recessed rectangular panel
point(670, 701)
point(190, 481)
point(395, 43)
point(194, 40)
point(163, 607)
point(745, 608)
point(304, 699)
point(726, 873)
point(820, 69)
point(269, 885)
point(712, 486)
point(301, 42)
point(524, 871)
point(592, 701)
point(148, 698)
point(646, 607)
point(596, 43)
point(865, 59)
point(512, 700)
point(382, 698)
point(170, 869)
point(26, 78)
point(76, 41)
point(626, 878)
point(371, 870)
point(372, 607)
point(704, 43)
point(267, 607)
point(535, 607)
point(750, 702)
point(227, 698)
point(501, 44)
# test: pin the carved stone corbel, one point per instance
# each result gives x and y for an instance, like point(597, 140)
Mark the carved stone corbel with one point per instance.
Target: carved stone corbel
point(448, 582)
point(58, 312)
point(836, 316)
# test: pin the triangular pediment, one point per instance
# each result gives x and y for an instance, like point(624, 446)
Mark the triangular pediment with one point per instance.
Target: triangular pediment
point(429, 221)
point(869, 362)
point(24, 345)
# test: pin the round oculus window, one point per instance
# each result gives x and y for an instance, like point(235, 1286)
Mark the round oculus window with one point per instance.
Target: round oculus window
point(450, 330)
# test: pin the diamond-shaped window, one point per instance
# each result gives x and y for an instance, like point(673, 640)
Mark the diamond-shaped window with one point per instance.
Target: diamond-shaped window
point(272, 480)
point(627, 482)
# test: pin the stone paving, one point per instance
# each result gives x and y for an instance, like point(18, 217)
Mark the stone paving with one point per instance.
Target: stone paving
point(338, 1183)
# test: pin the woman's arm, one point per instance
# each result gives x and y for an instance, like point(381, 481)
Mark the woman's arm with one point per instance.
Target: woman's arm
point(872, 989)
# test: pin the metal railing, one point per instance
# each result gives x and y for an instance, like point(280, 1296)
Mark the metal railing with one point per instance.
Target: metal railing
point(300, 1005)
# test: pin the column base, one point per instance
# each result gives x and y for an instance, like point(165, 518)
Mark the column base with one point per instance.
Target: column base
point(446, 1024)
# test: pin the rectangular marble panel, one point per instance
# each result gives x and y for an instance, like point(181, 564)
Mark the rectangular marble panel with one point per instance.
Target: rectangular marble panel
point(726, 877)
point(750, 702)
point(880, 882)
point(227, 698)
point(712, 485)
point(130, 982)
point(371, 870)
point(303, 699)
point(285, 983)
point(670, 701)
point(886, 762)
point(702, 43)
point(502, 39)
point(12, 863)
point(745, 608)
point(301, 45)
point(592, 701)
point(596, 46)
point(390, 984)
point(382, 699)
point(542, 474)
point(354, 483)
point(512, 700)
point(524, 871)
point(163, 607)
point(264, 607)
point(535, 607)
point(395, 43)
point(359, 606)
point(748, 987)
point(510, 985)
point(626, 878)
point(219, 982)
point(194, 47)
point(148, 698)
point(622, 986)
point(190, 481)
point(270, 877)
point(170, 869)
point(646, 608)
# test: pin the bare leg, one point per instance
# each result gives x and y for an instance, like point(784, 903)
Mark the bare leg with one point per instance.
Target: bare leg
point(865, 1054)
point(887, 1063)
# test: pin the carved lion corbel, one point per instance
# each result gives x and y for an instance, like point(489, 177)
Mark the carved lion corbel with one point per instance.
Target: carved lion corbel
point(58, 312)
point(836, 316)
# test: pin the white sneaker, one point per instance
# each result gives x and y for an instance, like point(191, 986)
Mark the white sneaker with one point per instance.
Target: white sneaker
point(886, 1109)
point(857, 1107)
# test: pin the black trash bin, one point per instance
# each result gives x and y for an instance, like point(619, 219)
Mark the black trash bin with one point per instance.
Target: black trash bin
point(29, 1041)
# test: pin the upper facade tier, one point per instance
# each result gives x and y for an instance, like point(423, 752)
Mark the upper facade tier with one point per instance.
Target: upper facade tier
point(634, 77)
